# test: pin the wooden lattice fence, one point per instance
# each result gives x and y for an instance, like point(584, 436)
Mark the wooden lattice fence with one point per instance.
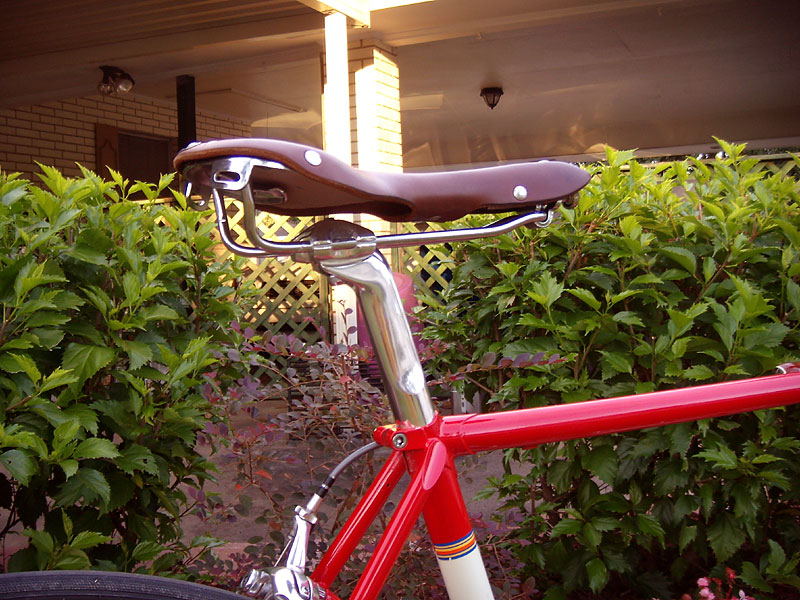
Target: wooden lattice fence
point(294, 298)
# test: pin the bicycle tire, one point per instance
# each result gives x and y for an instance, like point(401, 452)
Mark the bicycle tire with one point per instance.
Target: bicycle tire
point(108, 585)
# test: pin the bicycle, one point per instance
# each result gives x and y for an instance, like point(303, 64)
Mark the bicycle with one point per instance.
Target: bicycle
point(292, 179)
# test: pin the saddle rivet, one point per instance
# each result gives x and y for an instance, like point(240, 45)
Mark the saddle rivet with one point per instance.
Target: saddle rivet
point(313, 158)
point(520, 192)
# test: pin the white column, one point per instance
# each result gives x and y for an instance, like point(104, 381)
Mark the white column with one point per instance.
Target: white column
point(336, 134)
point(336, 105)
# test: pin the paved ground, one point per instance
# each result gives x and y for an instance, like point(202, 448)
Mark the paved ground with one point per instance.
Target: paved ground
point(473, 471)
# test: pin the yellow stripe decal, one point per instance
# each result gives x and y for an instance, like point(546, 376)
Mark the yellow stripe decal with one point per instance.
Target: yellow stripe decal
point(456, 549)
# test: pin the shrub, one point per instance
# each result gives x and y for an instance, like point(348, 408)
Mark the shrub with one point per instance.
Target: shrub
point(110, 312)
point(661, 277)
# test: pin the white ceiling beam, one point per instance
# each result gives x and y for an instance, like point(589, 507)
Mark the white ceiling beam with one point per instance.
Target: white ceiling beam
point(357, 10)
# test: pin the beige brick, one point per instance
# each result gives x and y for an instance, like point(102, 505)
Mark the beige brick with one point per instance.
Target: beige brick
point(388, 68)
point(70, 108)
point(71, 124)
point(51, 136)
point(43, 110)
point(393, 137)
point(388, 102)
point(87, 102)
point(43, 127)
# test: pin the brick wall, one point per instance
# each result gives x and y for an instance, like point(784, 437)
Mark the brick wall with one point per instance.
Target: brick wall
point(375, 101)
point(61, 133)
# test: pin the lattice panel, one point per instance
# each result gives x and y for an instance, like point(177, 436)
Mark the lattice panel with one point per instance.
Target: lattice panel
point(782, 165)
point(292, 292)
point(429, 266)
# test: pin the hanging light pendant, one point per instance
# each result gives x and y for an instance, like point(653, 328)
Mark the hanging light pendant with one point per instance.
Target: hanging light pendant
point(491, 95)
point(115, 81)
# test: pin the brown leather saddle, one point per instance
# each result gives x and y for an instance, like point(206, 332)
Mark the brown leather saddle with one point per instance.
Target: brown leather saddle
point(309, 182)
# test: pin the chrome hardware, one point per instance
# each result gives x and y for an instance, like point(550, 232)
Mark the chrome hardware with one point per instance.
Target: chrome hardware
point(304, 520)
point(520, 192)
point(399, 441)
point(233, 173)
point(395, 351)
point(313, 158)
point(547, 220)
point(281, 583)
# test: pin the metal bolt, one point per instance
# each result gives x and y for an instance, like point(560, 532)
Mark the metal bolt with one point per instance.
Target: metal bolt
point(313, 158)
point(399, 441)
point(520, 192)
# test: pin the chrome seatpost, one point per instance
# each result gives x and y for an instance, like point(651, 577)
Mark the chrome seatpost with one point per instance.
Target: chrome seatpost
point(367, 271)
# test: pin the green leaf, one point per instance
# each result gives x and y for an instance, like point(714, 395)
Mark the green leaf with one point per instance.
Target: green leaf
point(698, 373)
point(586, 296)
point(687, 536)
point(682, 256)
point(132, 287)
point(85, 360)
point(725, 536)
point(67, 524)
point(615, 362)
point(709, 268)
point(69, 466)
point(721, 457)
point(18, 363)
point(770, 335)
point(630, 227)
point(591, 535)
point(605, 523)
point(648, 524)
point(793, 294)
point(598, 574)
point(47, 318)
point(627, 317)
point(73, 560)
point(21, 466)
point(566, 526)
point(88, 255)
point(546, 291)
point(753, 578)
point(139, 353)
point(601, 462)
point(777, 556)
point(88, 539)
point(136, 457)
point(57, 378)
point(159, 312)
point(146, 551)
point(95, 448)
point(41, 540)
point(88, 484)
point(647, 279)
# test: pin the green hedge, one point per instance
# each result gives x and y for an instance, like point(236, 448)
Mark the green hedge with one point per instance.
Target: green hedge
point(110, 314)
point(662, 276)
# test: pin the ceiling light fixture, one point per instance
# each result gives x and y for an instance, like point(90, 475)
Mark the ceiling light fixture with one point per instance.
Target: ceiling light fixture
point(491, 95)
point(115, 81)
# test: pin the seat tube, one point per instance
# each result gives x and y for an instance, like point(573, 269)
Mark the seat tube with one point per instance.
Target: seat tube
point(387, 324)
point(457, 552)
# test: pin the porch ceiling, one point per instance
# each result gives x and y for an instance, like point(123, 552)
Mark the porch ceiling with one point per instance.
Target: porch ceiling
point(576, 73)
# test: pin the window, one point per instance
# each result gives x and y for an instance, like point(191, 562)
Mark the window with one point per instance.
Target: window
point(137, 156)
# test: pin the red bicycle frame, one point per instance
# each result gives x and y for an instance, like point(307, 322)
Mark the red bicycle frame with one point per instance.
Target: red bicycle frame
point(427, 453)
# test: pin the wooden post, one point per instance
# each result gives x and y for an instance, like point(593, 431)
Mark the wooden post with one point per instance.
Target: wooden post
point(187, 124)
